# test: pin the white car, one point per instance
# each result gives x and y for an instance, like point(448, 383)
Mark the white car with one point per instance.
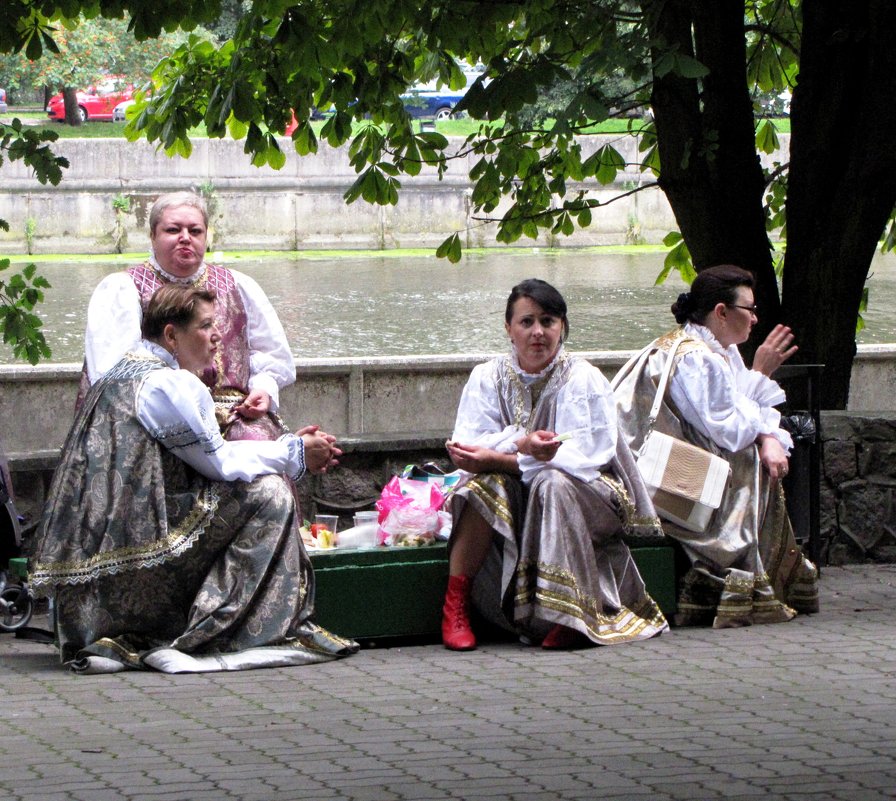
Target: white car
point(118, 113)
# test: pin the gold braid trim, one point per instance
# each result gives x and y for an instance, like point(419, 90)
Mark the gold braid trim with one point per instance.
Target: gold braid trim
point(566, 598)
point(492, 498)
point(122, 560)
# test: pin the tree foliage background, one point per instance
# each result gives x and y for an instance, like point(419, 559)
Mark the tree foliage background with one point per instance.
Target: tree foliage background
point(698, 65)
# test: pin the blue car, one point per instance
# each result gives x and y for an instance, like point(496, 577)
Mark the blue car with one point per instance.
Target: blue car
point(435, 103)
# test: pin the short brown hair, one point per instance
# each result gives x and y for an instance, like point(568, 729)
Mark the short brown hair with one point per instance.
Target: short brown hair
point(171, 303)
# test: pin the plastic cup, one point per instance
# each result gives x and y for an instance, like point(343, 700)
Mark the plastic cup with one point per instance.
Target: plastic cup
point(366, 517)
point(326, 530)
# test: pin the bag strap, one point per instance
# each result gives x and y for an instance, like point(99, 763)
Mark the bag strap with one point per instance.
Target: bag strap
point(661, 386)
point(634, 362)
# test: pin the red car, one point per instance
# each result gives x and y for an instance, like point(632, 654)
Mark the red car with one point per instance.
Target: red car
point(95, 102)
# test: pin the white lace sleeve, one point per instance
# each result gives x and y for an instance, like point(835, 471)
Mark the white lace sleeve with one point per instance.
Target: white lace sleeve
point(706, 390)
point(113, 323)
point(271, 364)
point(478, 414)
point(176, 408)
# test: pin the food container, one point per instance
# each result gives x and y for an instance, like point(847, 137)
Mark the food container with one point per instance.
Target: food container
point(363, 536)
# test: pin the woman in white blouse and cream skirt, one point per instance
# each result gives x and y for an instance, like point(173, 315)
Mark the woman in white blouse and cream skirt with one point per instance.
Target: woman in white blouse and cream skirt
point(549, 491)
point(746, 568)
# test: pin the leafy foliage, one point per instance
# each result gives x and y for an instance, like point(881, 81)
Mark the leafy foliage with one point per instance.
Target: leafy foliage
point(549, 71)
point(21, 292)
point(81, 52)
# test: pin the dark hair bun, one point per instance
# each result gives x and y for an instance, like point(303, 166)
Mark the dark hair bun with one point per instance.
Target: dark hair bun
point(682, 307)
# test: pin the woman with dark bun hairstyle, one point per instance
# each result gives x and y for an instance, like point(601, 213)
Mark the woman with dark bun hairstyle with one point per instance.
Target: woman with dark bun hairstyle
point(747, 567)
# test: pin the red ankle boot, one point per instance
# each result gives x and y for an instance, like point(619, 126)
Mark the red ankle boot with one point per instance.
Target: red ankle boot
point(456, 632)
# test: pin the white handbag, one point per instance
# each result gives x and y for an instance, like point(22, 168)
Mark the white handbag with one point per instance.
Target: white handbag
point(686, 483)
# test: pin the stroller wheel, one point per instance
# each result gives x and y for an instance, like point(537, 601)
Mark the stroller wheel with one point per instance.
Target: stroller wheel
point(16, 608)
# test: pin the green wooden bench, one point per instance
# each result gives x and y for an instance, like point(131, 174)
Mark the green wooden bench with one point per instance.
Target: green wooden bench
point(398, 592)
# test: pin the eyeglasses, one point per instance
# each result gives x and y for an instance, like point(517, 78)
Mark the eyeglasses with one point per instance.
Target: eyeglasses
point(752, 309)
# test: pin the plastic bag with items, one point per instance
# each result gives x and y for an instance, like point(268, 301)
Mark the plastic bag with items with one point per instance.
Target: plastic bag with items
point(410, 513)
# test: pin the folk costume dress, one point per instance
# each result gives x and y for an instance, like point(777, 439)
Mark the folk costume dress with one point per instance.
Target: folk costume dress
point(558, 553)
point(747, 568)
point(166, 547)
point(253, 354)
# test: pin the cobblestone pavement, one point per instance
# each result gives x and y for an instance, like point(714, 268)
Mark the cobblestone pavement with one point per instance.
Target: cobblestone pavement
point(804, 710)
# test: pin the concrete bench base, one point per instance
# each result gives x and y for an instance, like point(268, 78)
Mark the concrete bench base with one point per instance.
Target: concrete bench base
point(398, 592)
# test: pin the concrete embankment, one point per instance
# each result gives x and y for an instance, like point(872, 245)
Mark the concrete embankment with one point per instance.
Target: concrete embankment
point(394, 410)
point(299, 207)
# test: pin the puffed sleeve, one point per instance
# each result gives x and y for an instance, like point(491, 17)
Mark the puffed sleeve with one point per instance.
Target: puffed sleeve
point(113, 323)
point(478, 414)
point(586, 412)
point(271, 364)
point(708, 392)
point(175, 407)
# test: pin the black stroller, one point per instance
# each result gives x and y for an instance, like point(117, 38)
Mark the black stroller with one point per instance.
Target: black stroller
point(16, 599)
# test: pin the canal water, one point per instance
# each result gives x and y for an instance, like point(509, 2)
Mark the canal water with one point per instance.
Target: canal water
point(383, 304)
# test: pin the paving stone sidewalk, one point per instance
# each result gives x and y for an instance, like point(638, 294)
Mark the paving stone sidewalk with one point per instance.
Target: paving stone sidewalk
point(804, 710)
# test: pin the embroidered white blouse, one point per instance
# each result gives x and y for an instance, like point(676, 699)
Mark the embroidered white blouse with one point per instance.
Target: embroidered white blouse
point(722, 398)
point(113, 328)
point(585, 410)
point(175, 407)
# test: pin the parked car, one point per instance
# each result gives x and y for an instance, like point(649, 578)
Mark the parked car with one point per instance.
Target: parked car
point(3, 107)
point(95, 102)
point(427, 101)
point(119, 113)
point(421, 102)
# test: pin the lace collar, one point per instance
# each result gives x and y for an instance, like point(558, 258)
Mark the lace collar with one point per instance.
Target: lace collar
point(702, 333)
point(195, 278)
point(530, 378)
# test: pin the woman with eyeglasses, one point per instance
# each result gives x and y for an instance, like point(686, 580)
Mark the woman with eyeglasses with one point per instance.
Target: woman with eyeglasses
point(747, 568)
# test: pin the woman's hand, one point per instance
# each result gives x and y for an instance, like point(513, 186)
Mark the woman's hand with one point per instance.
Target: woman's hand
point(321, 452)
point(541, 445)
point(257, 404)
point(773, 457)
point(477, 459)
point(777, 349)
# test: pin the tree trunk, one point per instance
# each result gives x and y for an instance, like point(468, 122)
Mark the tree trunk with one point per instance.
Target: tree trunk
point(842, 182)
point(70, 98)
point(710, 171)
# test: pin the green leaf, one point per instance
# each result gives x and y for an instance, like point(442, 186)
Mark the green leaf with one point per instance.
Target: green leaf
point(689, 67)
point(672, 238)
point(276, 157)
point(610, 162)
point(236, 128)
point(767, 137)
point(450, 249)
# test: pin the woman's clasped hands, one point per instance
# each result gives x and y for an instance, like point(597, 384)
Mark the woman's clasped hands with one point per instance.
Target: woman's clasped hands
point(321, 452)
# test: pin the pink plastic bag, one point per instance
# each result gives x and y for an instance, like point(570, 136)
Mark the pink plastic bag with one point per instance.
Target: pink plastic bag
point(409, 512)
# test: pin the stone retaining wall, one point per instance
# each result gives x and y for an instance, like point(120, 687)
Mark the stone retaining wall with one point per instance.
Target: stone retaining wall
point(858, 513)
point(299, 207)
point(391, 411)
